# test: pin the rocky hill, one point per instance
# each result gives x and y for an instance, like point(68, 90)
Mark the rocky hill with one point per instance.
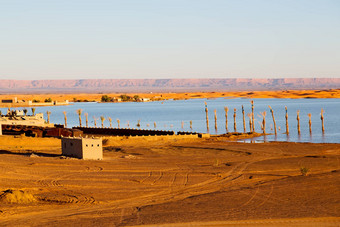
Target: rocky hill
point(164, 85)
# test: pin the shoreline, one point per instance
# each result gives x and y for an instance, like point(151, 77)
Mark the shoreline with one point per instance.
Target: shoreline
point(96, 97)
point(183, 181)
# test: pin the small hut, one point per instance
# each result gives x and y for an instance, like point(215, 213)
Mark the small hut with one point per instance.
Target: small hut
point(83, 148)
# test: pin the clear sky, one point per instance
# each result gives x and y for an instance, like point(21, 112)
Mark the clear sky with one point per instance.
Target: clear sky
point(80, 39)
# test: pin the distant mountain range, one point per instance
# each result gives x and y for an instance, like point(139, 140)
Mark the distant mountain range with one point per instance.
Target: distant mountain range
point(164, 85)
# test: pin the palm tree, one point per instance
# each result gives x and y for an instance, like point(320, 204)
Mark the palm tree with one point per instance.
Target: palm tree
point(33, 111)
point(86, 119)
point(25, 112)
point(48, 116)
point(65, 117)
point(110, 120)
point(95, 121)
point(102, 118)
point(79, 111)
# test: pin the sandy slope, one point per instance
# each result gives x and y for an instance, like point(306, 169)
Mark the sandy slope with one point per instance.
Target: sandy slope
point(141, 182)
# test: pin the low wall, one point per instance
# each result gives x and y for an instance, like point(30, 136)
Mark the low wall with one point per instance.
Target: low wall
point(119, 140)
point(123, 131)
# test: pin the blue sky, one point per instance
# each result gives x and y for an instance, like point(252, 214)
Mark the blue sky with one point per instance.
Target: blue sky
point(80, 39)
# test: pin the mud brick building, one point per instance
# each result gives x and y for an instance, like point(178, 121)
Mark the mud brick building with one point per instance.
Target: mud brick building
point(83, 148)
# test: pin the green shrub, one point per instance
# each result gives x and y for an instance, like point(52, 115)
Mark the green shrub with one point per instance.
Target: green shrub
point(304, 171)
point(48, 100)
point(106, 98)
point(125, 98)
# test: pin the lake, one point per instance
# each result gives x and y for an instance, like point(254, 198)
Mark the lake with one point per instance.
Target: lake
point(169, 115)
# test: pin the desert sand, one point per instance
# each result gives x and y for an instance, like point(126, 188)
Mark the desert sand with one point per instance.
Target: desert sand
point(170, 182)
point(331, 93)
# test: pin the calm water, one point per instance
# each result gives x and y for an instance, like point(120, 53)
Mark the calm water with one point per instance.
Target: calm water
point(168, 115)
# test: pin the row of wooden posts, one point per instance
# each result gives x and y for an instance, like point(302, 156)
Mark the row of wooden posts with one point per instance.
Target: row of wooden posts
point(226, 109)
point(263, 124)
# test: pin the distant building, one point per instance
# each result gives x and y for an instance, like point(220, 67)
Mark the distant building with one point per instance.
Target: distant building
point(117, 99)
point(145, 99)
point(14, 100)
point(61, 102)
point(83, 148)
point(19, 113)
point(21, 119)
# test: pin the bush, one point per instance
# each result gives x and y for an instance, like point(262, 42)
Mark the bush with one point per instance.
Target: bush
point(136, 98)
point(106, 98)
point(125, 98)
point(48, 100)
point(304, 171)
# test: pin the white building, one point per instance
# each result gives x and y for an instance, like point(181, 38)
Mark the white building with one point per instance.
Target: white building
point(83, 148)
point(36, 120)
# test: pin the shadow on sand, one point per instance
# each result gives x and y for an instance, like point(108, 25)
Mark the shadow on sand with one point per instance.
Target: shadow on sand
point(30, 153)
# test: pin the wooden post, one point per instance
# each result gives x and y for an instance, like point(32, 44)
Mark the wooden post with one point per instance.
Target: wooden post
point(274, 122)
point(310, 123)
point(287, 126)
point(250, 122)
point(215, 116)
point(235, 120)
point(48, 116)
point(191, 124)
point(298, 121)
point(252, 115)
point(65, 118)
point(264, 121)
point(206, 115)
point(244, 121)
point(322, 121)
point(118, 121)
point(86, 119)
point(226, 109)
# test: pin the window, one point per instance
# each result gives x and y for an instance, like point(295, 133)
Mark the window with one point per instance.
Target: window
point(87, 145)
point(91, 145)
point(97, 145)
